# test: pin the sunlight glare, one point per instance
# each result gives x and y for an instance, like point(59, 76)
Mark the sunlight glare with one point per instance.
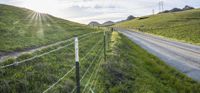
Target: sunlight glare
point(42, 6)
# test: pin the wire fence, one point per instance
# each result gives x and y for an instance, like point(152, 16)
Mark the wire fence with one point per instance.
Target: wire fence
point(94, 54)
point(92, 49)
point(46, 53)
point(100, 52)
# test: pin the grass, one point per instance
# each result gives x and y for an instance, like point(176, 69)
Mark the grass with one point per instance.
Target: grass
point(37, 75)
point(22, 29)
point(130, 69)
point(184, 26)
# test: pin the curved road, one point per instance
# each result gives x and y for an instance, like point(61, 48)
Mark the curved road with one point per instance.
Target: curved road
point(185, 57)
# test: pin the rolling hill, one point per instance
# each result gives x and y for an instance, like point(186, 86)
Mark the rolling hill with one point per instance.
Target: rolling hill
point(183, 25)
point(22, 29)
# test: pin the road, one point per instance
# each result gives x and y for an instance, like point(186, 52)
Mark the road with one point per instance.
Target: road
point(184, 57)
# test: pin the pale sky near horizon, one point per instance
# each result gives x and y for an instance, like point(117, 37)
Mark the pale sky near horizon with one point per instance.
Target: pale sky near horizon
point(84, 11)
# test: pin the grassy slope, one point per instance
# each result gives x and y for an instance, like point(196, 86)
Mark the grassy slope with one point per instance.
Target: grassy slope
point(179, 25)
point(21, 29)
point(130, 69)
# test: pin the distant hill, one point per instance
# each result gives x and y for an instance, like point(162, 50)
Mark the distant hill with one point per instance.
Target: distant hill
point(182, 25)
point(178, 9)
point(94, 23)
point(130, 17)
point(108, 23)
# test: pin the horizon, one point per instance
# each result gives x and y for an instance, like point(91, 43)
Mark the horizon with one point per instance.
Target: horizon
point(98, 10)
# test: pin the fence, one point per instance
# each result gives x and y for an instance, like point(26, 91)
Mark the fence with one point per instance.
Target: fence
point(95, 61)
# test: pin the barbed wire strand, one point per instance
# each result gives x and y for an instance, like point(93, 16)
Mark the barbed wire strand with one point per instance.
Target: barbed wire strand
point(37, 56)
point(87, 70)
point(59, 80)
point(94, 74)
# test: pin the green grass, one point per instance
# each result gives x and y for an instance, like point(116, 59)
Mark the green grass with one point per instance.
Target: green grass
point(130, 69)
point(183, 25)
point(37, 75)
point(22, 29)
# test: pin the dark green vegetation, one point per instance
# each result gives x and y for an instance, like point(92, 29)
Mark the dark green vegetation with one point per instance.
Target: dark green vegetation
point(22, 29)
point(183, 25)
point(130, 69)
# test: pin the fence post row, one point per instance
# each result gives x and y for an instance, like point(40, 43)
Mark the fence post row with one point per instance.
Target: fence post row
point(104, 46)
point(77, 65)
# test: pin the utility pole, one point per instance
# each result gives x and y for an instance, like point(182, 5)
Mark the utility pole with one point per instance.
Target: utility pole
point(162, 5)
point(159, 8)
point(153, 11)
point(77, 65)
point(104, 46)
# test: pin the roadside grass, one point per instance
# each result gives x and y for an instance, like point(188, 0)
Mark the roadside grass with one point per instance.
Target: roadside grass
point(183, 25)
point(130, 69)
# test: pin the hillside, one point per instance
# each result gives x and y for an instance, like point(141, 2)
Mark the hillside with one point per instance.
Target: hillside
point(22, 29)
point(184, 25)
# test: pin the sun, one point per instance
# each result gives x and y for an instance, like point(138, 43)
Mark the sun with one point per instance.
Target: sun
point(42, 6)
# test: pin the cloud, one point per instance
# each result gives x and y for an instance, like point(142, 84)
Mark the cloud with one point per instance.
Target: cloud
point(85, 11)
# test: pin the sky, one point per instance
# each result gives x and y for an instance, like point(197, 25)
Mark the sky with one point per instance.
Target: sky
point(85, 11)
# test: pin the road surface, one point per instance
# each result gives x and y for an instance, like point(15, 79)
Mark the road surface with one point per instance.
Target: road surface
point(184, 57)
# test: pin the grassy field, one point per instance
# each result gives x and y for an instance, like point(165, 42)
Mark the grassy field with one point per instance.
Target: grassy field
point(22, 29)
point(183, 25)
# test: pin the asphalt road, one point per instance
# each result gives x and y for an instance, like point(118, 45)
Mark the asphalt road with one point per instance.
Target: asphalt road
point(184, 57)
